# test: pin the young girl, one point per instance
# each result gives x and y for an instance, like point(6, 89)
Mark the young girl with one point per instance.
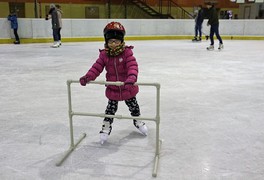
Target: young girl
point(120, 65)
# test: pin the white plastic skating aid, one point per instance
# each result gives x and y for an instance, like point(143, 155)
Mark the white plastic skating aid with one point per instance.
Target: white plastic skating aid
point(103, 137)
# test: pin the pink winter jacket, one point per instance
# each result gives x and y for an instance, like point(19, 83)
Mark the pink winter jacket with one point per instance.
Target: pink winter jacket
point(122, 68)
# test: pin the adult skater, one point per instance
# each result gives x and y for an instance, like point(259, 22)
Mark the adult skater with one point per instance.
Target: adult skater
point(198, 24)
point(53, 15)
point(14, 25)
point(213, 21)
point(59, 11)
point(120, 65)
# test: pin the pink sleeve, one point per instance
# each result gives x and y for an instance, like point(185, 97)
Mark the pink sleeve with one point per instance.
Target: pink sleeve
point(96, 68)
point(131, 65)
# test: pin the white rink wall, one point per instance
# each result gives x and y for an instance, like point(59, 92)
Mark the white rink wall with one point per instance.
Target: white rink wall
point(76, 28)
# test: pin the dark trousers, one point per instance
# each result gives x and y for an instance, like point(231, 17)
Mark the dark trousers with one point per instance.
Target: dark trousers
point(16, 35)
point(215, 30)
point(198, 30)
point(55, 34)
point(59, 34)
point(113, 105)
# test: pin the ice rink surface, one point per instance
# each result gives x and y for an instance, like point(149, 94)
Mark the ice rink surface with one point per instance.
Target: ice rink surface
point(212, 113)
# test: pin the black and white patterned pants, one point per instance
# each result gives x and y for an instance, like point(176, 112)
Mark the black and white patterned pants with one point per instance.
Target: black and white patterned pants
point(113, 105)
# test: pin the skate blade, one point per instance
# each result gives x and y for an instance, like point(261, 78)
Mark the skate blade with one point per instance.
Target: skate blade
point(103, 137)
point(54, 46)
point(143, 131)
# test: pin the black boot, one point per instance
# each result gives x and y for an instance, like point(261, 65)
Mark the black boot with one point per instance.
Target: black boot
point(199, 39)
point(195, 39)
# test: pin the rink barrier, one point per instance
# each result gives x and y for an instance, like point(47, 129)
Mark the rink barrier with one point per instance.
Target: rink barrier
point(129, 38)
point(71, 113)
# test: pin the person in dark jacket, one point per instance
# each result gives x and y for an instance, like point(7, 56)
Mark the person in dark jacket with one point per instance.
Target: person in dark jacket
point(53, 15)
point(213, 21)
point(14, 25)
point(198, 24)
point(59, 11)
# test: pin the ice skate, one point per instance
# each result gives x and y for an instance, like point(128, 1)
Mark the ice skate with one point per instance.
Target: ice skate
point(210, 48)
point(221, 46)
point(194, 39)
point(16, 42)
point(103, 137)
point(105, 132)
point(141, 126)
point(199, 39)
point(55, 45)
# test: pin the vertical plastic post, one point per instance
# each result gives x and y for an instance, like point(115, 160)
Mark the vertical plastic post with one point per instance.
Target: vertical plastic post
point(157, 121)
point(70, 112)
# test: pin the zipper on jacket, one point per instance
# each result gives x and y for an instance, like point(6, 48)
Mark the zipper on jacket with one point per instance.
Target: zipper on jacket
point(117, 78)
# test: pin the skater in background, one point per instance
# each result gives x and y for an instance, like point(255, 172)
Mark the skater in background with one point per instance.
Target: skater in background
point(213, 21)
point(59, 11)
point(14, 25)
point(120, 65)
point(198, 24)
point(53, 15)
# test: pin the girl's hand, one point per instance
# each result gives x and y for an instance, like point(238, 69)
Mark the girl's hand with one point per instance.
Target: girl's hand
point(83, 81)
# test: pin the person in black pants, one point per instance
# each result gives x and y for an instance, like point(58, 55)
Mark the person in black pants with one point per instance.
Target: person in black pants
point(213, 21)
point(198, 24)
point(59, 11)
point(14, 25)
point(53, 15)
